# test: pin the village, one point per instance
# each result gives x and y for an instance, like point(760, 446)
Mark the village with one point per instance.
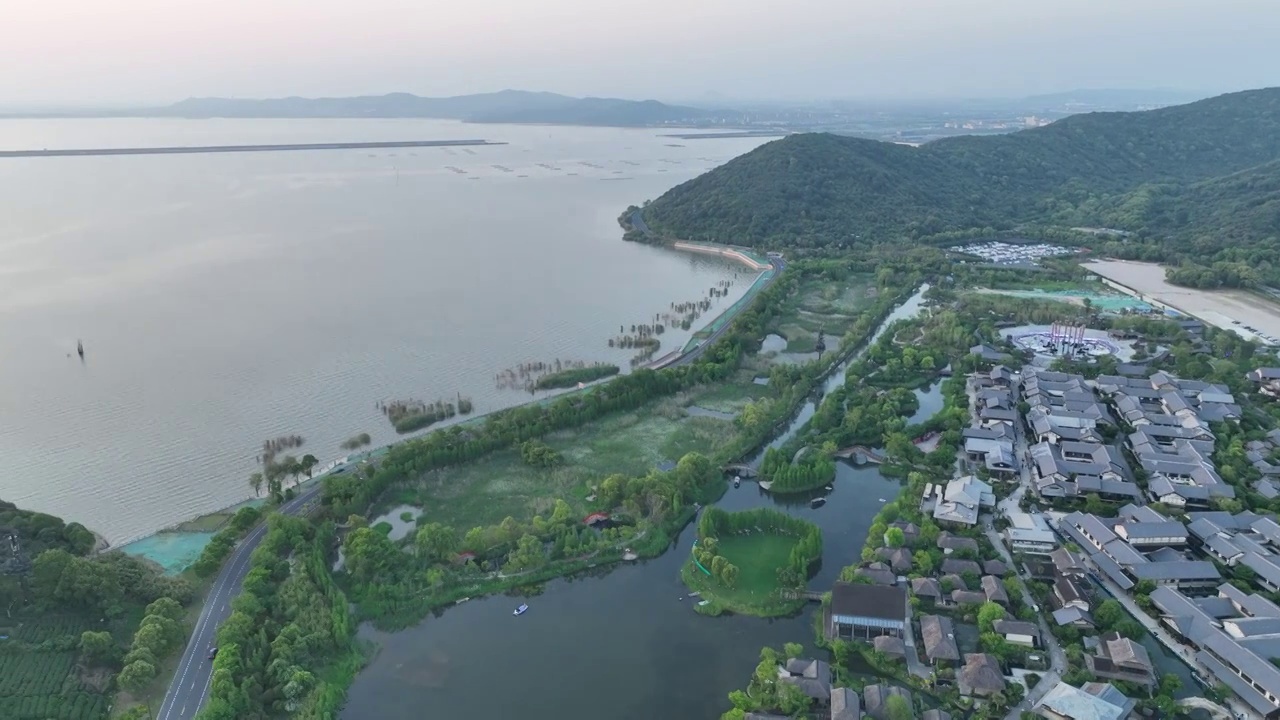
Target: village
point(1087, 521)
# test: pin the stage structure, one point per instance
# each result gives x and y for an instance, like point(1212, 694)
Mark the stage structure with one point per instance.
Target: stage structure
point(1065, 340)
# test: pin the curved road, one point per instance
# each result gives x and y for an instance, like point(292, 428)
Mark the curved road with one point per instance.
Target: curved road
point(778, 266)
point(190, 685)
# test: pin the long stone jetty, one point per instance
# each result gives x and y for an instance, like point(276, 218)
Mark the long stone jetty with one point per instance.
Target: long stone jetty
point(198, 149)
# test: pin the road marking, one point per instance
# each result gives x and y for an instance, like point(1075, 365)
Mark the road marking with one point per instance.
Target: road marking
point(223, 583)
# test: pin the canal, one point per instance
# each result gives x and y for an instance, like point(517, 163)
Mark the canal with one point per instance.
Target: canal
point(624, 642)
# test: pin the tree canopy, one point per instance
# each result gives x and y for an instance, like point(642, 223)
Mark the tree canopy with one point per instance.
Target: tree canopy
point(1197, 183)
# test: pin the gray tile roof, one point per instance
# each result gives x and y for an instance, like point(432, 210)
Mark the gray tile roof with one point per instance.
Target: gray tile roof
point(1072, 616)
point(1076, 703)
point(1187, 570)
point(884, 603)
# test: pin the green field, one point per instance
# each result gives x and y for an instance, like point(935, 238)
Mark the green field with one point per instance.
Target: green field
point(826, 305)
point(758, 557)
point(488, 490)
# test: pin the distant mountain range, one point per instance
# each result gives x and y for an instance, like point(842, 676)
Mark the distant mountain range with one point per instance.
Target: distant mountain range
point(507, 106)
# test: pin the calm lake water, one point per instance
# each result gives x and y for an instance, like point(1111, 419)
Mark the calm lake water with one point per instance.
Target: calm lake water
point(226, 299)
point(620, 644)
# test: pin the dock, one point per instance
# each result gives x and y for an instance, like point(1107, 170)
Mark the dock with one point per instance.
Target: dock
point(203, 149)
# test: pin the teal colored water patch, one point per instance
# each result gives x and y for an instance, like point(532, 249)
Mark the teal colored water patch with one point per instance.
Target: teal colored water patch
point(174, 552)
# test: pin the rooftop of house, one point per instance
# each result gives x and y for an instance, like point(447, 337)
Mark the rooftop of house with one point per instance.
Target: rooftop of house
point(981, 675)
point(876, 696)
point(948, 541)
point(926, 587)
point(890, 645)
point(1016, 627)
point(939, 637)
point(959, 566)
point(994, 589)
point(1125, 652)
point(845, 704)
point(1072, 616)
point(869, 601)
point(1094, 701)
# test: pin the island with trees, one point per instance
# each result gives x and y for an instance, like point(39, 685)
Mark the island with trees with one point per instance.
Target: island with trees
point(753, 562)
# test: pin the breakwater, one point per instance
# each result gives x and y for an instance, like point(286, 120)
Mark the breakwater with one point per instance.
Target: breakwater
point(198, 149)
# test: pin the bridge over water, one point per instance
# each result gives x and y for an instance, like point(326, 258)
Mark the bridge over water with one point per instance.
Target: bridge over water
point(860, 454)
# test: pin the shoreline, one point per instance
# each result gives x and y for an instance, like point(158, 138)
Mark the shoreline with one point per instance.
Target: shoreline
point(354, 459)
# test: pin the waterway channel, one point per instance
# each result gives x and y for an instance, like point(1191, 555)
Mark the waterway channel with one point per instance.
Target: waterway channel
point(624, 643)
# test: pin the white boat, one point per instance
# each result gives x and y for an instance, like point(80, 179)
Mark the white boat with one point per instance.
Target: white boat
point(520, 610)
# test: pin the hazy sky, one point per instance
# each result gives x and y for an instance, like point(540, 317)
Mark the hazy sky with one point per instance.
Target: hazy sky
point(155, 51)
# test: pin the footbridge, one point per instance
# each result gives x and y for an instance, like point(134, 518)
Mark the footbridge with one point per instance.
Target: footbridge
point(740, 469)
point(860, 454)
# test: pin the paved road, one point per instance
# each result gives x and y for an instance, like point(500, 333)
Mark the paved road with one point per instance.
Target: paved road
point(638, 223)
point(778, 266)
point(190, 685)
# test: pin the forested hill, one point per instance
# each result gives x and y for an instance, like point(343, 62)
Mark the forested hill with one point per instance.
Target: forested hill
point(825, 190)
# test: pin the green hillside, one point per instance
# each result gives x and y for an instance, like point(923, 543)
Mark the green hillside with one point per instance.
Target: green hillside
point(1172, 173)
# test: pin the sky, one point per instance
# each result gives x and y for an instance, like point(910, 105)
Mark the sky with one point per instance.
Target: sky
point(129, 52)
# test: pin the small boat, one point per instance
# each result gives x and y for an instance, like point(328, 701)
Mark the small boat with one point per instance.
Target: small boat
point(829, 488)
point(459, 601)
point(818, 502)
point(520, 610)
point(737, 481)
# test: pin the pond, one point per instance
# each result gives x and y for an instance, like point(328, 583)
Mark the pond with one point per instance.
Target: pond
point(930, 399)
point(623, 642)
point(400, 528)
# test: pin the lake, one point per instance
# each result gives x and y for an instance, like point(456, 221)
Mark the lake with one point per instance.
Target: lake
point(623, 643)
point(227, 299)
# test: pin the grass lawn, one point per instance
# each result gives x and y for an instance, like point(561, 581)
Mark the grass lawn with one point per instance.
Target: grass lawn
point(500, 485)
point(832, 307)
point(758, 557)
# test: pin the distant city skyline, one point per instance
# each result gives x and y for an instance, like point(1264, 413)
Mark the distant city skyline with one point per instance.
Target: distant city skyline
point(151, 52)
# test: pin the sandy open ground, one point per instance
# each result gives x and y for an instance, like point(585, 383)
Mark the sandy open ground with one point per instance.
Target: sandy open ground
point(1217, 307)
